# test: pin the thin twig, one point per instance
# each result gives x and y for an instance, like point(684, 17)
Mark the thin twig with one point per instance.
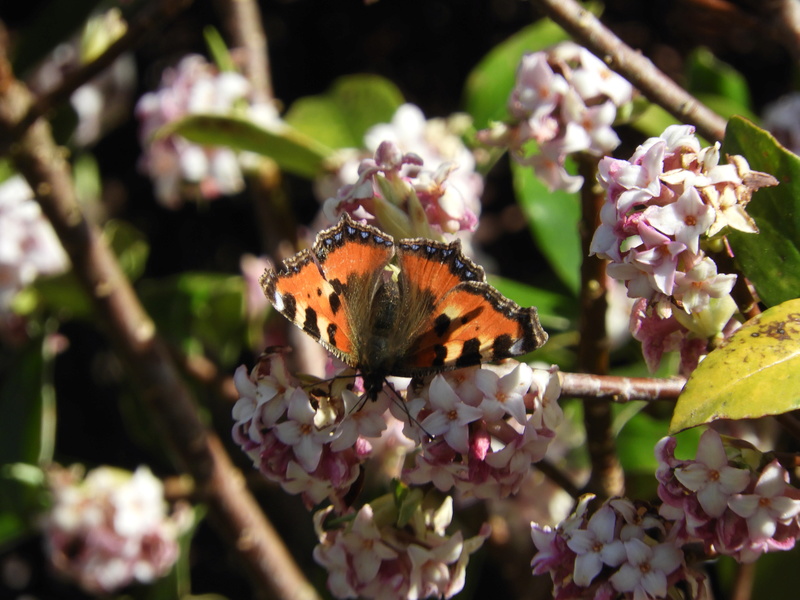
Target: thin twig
point(632, 65)
point(243, 22)
point(151, 18)
point(557, 476)
point(232, 508)
point(607, 478)
point(620, 389)
point(784, 17)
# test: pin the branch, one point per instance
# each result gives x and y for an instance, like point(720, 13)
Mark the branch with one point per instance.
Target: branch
point(221, 486)
point(620, 389)
point(607, 478)
point(243, 21)
point(632, 65)
point(153, 16)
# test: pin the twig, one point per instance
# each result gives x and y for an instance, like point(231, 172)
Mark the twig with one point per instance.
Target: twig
point(243, 21)
point(607, 478)
point(558, 477)
point(620, 389)
point(784, 17)
point(231, 507)
point(632, 65)
point(153, 16)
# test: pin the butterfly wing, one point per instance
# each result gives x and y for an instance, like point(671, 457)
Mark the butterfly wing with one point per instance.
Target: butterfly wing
point(327, 291)
point(463, 320)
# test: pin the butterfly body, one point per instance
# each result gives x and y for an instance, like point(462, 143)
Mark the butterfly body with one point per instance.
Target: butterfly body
point(434, 313)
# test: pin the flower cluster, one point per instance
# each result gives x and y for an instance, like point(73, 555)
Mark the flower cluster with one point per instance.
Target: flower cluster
point(565, 100)
point(486, 426)
point(111, 529)
point(733, 505)
point(671, 195)
point(374, 557)
point(620, 551)
point(477, 429)
point(421, 167)
point(28, 246)
point(177, 166)
point(297, 436)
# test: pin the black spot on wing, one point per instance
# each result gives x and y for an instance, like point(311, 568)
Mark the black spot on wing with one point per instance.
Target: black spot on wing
point(501, 348)
point(470, 353)
point(332, 334)
point(335, 302)
point(441, 324)
point(337, 286)
point(439, 355)
point(310, 325)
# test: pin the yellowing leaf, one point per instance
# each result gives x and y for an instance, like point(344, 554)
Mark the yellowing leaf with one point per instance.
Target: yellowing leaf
point(756, 373)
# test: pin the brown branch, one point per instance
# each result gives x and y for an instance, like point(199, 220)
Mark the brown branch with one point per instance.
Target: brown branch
point(243, 22)
point(152, 17)
point(117, 309)
point(632, 65)
point(558, 477)
point(620, 389)
point(783, 17)
point(607, 477)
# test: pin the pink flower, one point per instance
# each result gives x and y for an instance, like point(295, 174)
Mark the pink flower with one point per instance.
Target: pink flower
point(111, 528)
point(769, 504)
point(565, 100)
point(686, 219)
point(710, 477)
point(597, 545)
point(646, 570)
point(698, 285)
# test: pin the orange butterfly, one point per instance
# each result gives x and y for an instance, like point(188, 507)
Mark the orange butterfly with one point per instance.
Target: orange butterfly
point(437, 314)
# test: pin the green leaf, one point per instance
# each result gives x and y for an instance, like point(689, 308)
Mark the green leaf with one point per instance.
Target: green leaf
point(756, 373)
point(771, 258)
point(340, 117)
point(491, 81)
point(27, 400)
point(199, 311)
point(292, 150)
point(710, 77)
point(553, 219)
point(555, 310)
point(653, 121)
point(23, 496)
point(129, 245)
point(218, 50)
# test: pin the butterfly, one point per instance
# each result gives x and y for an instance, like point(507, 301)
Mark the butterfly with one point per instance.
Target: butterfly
point(434, 312)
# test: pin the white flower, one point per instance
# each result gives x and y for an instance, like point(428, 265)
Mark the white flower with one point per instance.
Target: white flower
point(28, 245)
point(711, 477)
point(645, 572)
point(595, 546)
point(504, 395)
point(767, 505)
point(300, 432)
point(451, 416)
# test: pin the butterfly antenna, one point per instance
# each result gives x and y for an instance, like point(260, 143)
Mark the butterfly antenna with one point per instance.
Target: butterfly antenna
point(398, 399)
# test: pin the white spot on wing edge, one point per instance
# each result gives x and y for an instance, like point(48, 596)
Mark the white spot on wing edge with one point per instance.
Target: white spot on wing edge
point(277, 301)
point(516, 348)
